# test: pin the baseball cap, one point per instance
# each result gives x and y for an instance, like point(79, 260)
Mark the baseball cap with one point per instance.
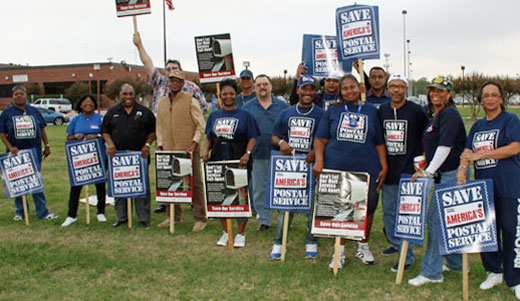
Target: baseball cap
point(246, 73)
point(176, 73)
point(398, 76)
point(306, 80)
point(335, 75)
point(441, 83)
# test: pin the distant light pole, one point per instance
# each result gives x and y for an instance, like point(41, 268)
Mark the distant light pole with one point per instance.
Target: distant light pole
point(462, 68)
point(246, 64)
point(387, 62)
point(404, 41)
point(408, 59)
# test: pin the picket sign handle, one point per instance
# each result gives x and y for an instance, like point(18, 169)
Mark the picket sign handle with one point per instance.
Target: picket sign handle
point(402, 262)
point(135, 23)
point(172, 218)
point(129, 212)
point(25, 213)
point(336, 255)
point(87, 206)
point(362, 80)
point(465, 280)
point(230, 234)
point(284, 236)
point(219, 101)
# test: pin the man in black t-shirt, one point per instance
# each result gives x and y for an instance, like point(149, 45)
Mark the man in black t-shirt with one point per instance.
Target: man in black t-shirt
point(403, 124)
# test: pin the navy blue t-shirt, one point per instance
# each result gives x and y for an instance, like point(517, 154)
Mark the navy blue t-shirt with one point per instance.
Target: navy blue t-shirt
point(298, 129)
point(378, 101)
point(352, 146)
point(489, 135)
point(403, 129)
point(229, 133)
point(86, 126)
point(242, 99)
point(328, 99)
point(446, 129)
point(23, 128)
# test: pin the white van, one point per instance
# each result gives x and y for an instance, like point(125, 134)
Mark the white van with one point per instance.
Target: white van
point(62, 105)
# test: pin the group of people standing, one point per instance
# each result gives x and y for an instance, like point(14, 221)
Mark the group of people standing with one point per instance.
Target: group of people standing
point(380, 137)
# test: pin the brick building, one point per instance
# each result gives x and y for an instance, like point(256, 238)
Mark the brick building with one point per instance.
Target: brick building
point(55, 79)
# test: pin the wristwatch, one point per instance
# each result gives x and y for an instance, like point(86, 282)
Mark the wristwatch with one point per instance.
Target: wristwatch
point(280, 142)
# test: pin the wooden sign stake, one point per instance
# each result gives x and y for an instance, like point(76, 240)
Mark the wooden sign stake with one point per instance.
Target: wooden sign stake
point(284, 236)
point(465, 282)
point(219, 101)
point(172, 218)
point(87, 206)
point(337, 243)
point(25, 213)
point(402, 262)
point(135, 23)
point(362, 80)
point(129, 210)
point(230, 234)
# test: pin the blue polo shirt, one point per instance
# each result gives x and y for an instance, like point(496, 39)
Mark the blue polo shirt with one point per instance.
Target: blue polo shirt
point(265, 119)
point(23, 128)
point(353, 137)
point(487, 135)
point(298, 127)
point(86, 126)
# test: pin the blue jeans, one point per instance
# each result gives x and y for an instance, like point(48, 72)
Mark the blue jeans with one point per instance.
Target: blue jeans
point(309, 238)
point(260, 171)
point(39, 203)
point(389, 198)
point(431, 265)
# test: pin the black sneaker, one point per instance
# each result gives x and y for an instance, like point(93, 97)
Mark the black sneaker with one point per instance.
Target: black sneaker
point(395, 267)
point(160, 209)
point(144, 224)
point(389, 251)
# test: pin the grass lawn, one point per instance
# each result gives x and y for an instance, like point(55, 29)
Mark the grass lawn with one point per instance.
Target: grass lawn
point(97, 262)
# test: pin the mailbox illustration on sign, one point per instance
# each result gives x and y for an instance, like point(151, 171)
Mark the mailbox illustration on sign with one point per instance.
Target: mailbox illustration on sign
point(236, 183)
point(181, 170)
point(222, 55)
point(350, 205)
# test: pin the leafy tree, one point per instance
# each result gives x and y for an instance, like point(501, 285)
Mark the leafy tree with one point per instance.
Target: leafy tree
point(469, 89)
point(140, 87)
point(74, 92)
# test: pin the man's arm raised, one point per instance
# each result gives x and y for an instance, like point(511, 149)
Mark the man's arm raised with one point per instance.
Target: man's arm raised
point(145, 58)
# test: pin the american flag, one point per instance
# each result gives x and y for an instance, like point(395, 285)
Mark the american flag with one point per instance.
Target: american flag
point(170, 4)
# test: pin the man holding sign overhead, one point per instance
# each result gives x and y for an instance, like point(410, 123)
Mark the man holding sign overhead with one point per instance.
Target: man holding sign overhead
point(294, 131)
point(130, 126)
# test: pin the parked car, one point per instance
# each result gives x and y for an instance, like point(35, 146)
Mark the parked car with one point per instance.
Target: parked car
point(54, 104)
point(53, 117)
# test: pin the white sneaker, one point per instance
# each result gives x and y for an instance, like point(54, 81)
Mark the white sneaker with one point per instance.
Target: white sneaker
point(492, 280)
point(240, 241)
point(101, 218)
point(18, 218)
point(420, 280)
point(341, 261)
point(223, 239)
point(516, 290)
point(51, 216)
point(276, 252)
point(445, 268)
point(69, 221)
point(311, 251)
point(363, 253)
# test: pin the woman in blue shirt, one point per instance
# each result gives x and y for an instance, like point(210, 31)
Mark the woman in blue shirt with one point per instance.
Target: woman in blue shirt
point(444, 139)
point(23, 127)
point(350, 138)
point(85, 126)
point(493, 146)
point(230, 135)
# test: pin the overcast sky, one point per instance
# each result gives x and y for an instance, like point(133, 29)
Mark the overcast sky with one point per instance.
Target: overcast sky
point(482, 35)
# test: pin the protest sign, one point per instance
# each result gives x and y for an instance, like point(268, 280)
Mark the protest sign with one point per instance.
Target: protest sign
point(466, 217)
point(340, 207)
point(126, 8)
point(86, 161)
point(215, 58)
point(410, 214)
point(320, 54)
point(289, 183)
point(173, 174)
point(128, 175)
point(21, 173)
point(357, 31)
point(225, 186)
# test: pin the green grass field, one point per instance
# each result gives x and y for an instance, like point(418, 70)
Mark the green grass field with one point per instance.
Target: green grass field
point(97, 262)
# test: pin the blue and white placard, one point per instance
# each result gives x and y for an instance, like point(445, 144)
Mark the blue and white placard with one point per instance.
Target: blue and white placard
point(20, 173)
point(320, 55)
point(467, 221)
point(85, 160)
point(127, 175)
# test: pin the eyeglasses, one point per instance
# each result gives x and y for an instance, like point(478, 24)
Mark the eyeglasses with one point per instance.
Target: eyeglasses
point(176, 80)
point(494, 95)
point(261, 84)
point(392, 86)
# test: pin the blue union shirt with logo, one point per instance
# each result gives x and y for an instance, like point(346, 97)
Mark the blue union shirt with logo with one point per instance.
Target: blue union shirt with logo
point(298, 129)
point(486, 135)
point(352, 147)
